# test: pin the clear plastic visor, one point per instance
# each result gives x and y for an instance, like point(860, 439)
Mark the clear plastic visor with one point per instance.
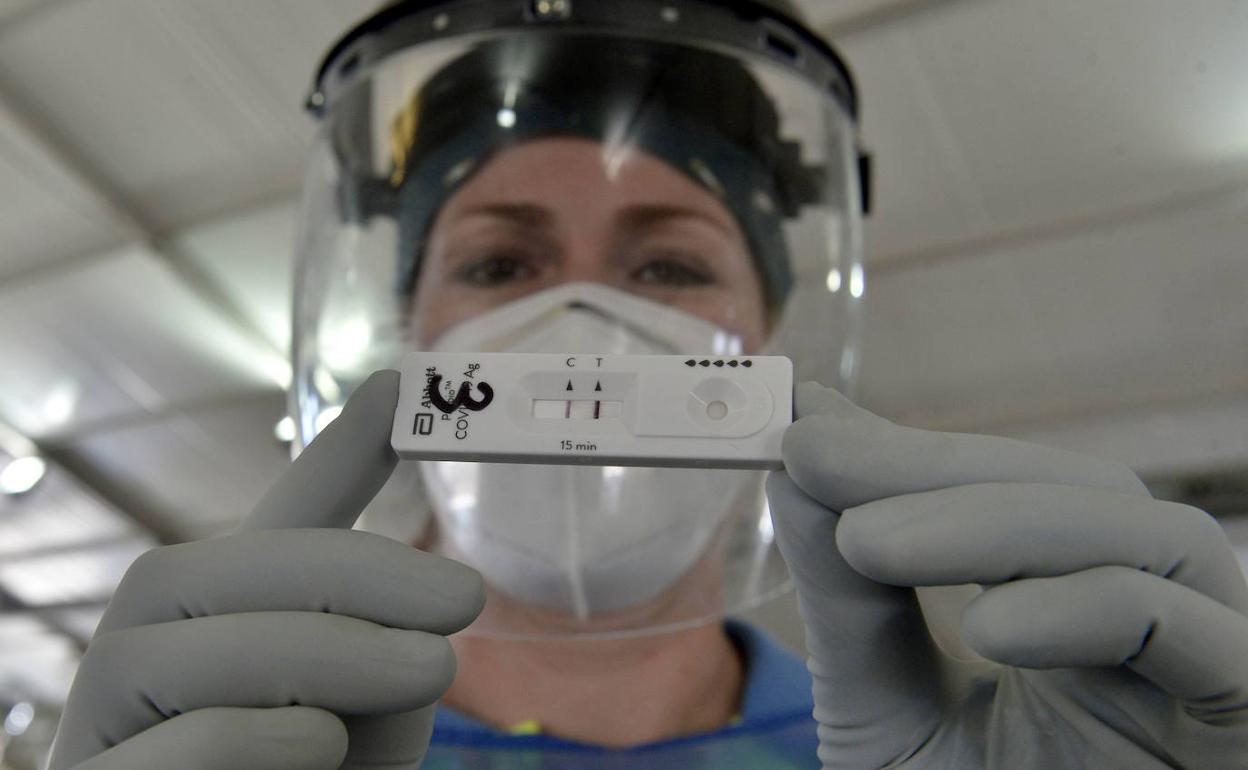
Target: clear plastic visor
point(585, 194)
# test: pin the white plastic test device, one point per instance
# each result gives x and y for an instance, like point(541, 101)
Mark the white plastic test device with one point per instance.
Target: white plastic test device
point(590, 409)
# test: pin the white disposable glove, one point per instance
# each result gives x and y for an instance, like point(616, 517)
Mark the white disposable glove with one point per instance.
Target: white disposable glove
point(294, 643)
point(1120, 620)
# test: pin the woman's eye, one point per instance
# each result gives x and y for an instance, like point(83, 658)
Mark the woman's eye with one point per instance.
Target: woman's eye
point(671, 272)
point(494, 271)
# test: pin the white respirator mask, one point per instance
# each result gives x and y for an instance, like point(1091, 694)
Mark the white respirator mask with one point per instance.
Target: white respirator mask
point(583, 540)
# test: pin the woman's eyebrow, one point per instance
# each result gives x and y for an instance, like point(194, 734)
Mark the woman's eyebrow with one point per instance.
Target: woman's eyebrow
point(645, 216)
point(523, 214)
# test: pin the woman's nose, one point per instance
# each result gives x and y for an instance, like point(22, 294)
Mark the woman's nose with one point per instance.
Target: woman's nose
point(585, 263)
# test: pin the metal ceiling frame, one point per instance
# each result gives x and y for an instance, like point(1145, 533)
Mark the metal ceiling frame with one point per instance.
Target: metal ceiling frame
point(48, 615)
point(139, 229)
point(125, 213)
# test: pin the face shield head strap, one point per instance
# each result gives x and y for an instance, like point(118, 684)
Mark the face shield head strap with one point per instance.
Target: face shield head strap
point(772, 28)
point(698, 111)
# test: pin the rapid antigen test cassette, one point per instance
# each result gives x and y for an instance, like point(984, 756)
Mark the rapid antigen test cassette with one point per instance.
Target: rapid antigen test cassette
point(592, 409)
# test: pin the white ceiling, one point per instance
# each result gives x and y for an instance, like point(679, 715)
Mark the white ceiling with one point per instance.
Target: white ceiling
point(186, 108)
point(1004, 115)
point(1059, 249)
point(100, 330)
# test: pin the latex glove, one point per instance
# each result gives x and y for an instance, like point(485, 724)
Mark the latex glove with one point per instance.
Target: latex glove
point(1120, 619)
point(293, 643)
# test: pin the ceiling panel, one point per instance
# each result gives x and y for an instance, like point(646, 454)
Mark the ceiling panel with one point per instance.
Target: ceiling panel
point(45, 214)
point(1151, 311)
point(114, 337)
point(87, 574)
point(58, 513)
point(13, 11)
point(921, 191)
point(193, 474)
point(188, 107)
point(1179, 438)
point(35, 661)
point(1008, 114)
point(250, 256)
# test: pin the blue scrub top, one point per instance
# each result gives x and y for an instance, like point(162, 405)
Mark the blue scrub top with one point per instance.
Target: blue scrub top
point(774, 731)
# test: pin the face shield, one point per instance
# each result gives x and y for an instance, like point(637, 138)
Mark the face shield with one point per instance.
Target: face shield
point(589, 177)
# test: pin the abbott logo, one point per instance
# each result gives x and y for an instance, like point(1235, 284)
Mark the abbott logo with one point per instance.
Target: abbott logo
point(424, 424)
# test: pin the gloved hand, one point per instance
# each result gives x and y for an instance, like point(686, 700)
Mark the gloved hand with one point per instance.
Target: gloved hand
point(1120, 620)
point(293, 643)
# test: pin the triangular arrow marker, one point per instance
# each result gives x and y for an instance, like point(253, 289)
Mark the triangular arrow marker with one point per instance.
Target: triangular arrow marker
point(598, 386)
point(569, 385)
